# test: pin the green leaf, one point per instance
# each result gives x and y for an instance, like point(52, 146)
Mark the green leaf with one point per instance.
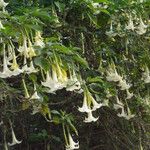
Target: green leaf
point(42, 62)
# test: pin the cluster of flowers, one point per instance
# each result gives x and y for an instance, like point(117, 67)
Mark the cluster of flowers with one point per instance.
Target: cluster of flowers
point(139, 26)
point(113, 76)
point(26, 50)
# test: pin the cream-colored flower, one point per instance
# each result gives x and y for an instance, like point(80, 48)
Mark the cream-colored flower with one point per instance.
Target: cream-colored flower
point(146, 75)
point(130, 25)
point(142, 28)
point(72, 145)
point(1, 25)
point(90, 118)
point(129, 95)
point(39, 40)
point(123, 85)
point(3, 4)
point(6, 71)
point(14, 139)
point(35, 95)
point(111, 33)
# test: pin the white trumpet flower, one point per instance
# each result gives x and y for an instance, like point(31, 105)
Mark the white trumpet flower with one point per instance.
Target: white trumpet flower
point(85, 107)
point(123, 85)
point(129, 116)
point(129, 95)
point(3, 4)
point(90, 118)
point(72, 145)
point(119, 104)
point(35, 95)
point(39, 40)
point(6, 72)
point(1, 25)
point(141, 28)
point(52, 82)
point(111, 33)
point(130, 25)
point(112, 74)
point(14, 139)
point(15, 67)
point(73, 83)
point(146, 75)
point(122, 114)
point(31, 51)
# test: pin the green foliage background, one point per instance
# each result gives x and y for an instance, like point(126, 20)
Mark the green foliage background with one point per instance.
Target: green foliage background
point(77, 34)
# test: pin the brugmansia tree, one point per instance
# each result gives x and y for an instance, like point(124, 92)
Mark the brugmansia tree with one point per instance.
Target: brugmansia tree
point(74, 74)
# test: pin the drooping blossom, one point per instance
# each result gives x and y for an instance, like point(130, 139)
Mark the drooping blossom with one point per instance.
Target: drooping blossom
point(142, 28)
point(130, 25)
point(146, 75)
point(90, 118)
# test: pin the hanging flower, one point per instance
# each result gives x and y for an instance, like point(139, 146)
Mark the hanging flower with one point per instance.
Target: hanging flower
point(111, 33)
point(129, 95)
point(14, 66)
point(39, 40)
point(119, 104)
point(6, 72)
point(14, 140)
point(85, 107)
point(71, 145)
point(112, 74)
point(73, 82)
point(35, 95)
point(90, 118)
point(31, 50)
point(123, 85)
point(129, 116)
point(1, 25)
point(122, 114)
point(141, 29)
point(89, 103)
point(130, 25)
point(3, 4)
point(146, 75)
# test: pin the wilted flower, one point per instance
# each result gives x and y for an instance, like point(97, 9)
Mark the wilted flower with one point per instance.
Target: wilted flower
point(14, 140)
point(141, 29)
point(72, 145)
point(90, 118)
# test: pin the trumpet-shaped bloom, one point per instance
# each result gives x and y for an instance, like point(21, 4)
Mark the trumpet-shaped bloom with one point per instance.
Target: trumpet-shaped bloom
point(123, 85)
point(39, 40)
point(1, 25)
point(52, 82)
point(85, 107)
point(129, 95)
point(35, 95)
point(129, 116)
point(31, 50)
point(111, 33)
point(3, 4)
point(72, 145)
point(141, 28)
point(73, 83)
point(112, 74)
point(119, 104)
point(130, 25)
point(90, 118)
point(14, 139)
point(146, 75)
point(6, 71)
point(15, 67)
